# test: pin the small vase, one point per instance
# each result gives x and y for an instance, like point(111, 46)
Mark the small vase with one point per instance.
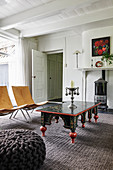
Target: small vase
point(106, 64)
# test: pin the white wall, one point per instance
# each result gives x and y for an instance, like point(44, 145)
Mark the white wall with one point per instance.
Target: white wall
point(69, 44)
point(87, 36)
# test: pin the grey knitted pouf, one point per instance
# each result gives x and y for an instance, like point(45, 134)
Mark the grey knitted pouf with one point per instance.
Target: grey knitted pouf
point(21, 150)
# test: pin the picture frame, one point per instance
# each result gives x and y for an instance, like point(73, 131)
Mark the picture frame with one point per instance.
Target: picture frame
point(100, 46)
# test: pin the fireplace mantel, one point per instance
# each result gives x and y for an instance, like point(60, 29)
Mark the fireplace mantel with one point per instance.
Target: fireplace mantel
point(95, 68)
point(84, 77)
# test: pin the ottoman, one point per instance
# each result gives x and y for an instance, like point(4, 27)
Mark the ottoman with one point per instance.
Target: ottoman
point(21, 150)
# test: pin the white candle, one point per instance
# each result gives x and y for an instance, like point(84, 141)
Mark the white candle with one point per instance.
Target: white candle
point(72, 84)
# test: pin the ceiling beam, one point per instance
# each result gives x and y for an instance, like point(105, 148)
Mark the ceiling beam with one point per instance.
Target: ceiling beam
point(70, 23)
point(9, 34)
point(41, 11)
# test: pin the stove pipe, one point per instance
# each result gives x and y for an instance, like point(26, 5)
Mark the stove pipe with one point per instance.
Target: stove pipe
point(103, 74)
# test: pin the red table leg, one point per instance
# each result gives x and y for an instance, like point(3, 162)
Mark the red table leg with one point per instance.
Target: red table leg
point(83, 125)
point(73, 136)
point(96, 117)
point(89, 115)
point(43, 129)
point(83, 120)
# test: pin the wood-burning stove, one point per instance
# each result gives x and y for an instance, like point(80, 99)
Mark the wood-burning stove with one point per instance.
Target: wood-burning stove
point(101, 93)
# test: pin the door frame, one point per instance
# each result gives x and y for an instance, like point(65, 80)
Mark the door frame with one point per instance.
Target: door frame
point(56, 52)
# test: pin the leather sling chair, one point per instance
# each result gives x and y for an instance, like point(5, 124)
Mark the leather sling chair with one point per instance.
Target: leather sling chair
point(6, 106)
point(23, 97)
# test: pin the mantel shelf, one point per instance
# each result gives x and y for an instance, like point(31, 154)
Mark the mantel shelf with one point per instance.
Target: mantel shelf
point(95, 68)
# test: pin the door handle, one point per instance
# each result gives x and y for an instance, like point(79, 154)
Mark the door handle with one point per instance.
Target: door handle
point(34, 77)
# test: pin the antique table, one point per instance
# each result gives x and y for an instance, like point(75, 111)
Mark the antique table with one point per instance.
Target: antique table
point(69, 116)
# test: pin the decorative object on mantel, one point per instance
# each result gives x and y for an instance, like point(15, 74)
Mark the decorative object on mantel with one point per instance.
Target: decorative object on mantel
point(76, 62)
point(72, 91)
point(99, 64)
point(100, 46)
point(108, 58)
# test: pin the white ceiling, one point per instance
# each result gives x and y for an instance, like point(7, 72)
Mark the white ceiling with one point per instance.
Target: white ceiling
point(39, 17)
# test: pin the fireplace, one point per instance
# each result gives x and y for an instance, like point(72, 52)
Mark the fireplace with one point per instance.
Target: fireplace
point(101, 92)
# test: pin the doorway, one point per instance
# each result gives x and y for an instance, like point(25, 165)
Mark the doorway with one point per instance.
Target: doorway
point(54, 76)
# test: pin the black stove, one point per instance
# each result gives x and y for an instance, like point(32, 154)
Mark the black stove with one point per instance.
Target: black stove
point(101, 92)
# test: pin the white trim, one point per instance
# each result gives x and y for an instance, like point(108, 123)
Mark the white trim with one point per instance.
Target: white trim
point(8, 38)
point(53, 51)
point(7, 35)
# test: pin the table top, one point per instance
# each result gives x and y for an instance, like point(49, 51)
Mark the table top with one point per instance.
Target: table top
point(63, 109)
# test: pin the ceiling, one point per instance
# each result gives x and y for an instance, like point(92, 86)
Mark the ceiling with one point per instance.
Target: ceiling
point(40, 17)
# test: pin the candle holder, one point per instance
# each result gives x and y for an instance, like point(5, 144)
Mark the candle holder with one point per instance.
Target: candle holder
point(72, 91)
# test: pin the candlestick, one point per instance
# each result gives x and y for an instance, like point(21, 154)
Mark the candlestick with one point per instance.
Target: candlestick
point(72, 91)
point(72, 84)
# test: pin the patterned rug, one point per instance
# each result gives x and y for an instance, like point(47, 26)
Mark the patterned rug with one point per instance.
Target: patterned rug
point(92, 150)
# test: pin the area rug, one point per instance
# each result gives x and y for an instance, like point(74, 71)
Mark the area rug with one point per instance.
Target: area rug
point(92, 150)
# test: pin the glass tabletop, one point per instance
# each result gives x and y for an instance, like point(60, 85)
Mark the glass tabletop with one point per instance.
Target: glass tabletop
point(62, 108)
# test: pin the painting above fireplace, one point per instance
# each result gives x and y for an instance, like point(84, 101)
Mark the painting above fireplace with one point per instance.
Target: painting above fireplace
point(100, 46)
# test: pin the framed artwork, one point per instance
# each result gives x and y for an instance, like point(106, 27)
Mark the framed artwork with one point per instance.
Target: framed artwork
point(100, 46)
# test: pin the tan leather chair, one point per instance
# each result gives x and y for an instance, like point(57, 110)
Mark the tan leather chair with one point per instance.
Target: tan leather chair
point(23, 97)
point(6, 106)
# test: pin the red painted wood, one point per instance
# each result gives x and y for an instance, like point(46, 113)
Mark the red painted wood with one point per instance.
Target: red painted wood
point(73, 136)
point(83, 125)
point(43, 129)
point(96, 117)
